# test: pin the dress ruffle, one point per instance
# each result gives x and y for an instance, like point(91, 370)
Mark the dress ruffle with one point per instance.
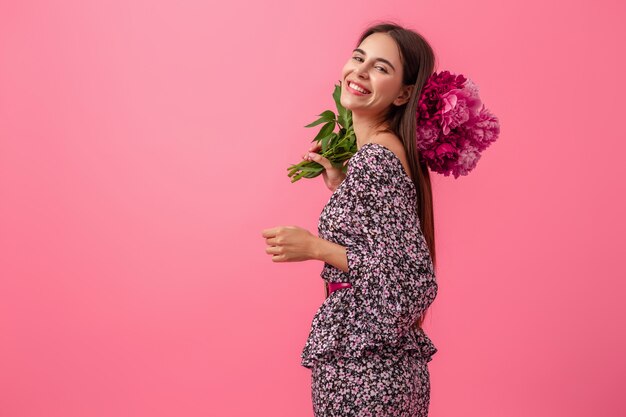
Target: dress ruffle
point(345, 335)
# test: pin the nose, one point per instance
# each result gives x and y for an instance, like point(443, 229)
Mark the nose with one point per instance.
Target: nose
point(361, 71)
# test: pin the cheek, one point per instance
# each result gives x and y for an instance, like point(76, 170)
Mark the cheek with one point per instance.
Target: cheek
point(345, 70)
point(387, 87)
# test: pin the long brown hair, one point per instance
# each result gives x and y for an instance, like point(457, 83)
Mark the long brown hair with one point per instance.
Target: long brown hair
point(418, 63)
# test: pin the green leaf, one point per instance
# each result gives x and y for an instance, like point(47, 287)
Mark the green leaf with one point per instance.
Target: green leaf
point(345, 115)
point(326, 116)
point(337, 96)
point(326, 130)
point(347, 119)
point(327, 140)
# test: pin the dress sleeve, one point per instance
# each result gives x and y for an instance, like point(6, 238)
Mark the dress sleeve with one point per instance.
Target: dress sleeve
point(389, 265)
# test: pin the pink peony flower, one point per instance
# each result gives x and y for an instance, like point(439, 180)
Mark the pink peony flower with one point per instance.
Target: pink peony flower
point(453, 125)
point(428, 134)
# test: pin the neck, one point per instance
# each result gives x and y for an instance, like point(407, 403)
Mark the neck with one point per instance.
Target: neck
point(365, 127)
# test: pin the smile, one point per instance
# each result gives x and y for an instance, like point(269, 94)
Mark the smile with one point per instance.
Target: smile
point(356, 88)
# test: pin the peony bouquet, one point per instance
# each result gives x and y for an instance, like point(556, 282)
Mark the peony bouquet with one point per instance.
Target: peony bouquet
point(453, 125)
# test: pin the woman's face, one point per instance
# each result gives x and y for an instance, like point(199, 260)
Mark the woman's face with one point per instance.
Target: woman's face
point(375, 65)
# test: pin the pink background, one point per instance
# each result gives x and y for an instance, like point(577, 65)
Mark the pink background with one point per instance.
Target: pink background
point(144, 145)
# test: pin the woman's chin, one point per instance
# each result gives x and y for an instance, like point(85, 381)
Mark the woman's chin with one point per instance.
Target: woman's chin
point(349, 104)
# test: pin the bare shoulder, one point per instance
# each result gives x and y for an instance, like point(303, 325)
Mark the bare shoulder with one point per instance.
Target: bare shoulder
point(394, 144)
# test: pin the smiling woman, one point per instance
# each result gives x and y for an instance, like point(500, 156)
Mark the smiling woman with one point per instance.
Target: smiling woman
point(366, 349)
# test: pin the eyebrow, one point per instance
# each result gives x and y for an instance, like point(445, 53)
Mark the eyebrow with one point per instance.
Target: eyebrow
point(377, 59)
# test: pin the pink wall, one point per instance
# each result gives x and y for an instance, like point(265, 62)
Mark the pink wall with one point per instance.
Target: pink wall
point(144, 146)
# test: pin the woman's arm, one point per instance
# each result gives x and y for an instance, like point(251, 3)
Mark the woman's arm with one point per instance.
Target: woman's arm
point(342, 177)
point(331, 253)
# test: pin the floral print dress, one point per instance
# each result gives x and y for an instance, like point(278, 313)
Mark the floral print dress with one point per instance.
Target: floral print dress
point(366, 356)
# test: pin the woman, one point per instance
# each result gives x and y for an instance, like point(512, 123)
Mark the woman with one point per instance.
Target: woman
point(366, 349)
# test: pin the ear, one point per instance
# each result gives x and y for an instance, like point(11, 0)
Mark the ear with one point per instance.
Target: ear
point(404, 96)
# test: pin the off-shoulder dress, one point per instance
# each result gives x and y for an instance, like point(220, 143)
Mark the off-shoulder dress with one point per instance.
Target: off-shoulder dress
point(366, 356)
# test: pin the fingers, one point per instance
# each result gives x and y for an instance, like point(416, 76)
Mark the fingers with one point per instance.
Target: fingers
point(269, 232)
point(272, 250)
point(320, 160)
point(272, 241)
point(312, 155)
point(314, 148)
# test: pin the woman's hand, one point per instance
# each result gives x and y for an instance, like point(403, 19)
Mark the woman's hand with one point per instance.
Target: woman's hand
point(332, 176)
point(290, 243)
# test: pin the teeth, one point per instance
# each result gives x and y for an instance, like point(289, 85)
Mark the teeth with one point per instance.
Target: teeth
point(357, 88)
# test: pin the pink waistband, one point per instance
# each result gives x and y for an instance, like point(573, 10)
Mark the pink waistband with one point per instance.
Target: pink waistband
point(333, 286)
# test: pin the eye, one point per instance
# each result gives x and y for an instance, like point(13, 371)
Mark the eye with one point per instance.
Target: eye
point(382, 69)
point(357, 58)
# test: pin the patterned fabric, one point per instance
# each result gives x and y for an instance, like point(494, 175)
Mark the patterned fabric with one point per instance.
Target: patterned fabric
point(373, 214)
point(379, 384)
